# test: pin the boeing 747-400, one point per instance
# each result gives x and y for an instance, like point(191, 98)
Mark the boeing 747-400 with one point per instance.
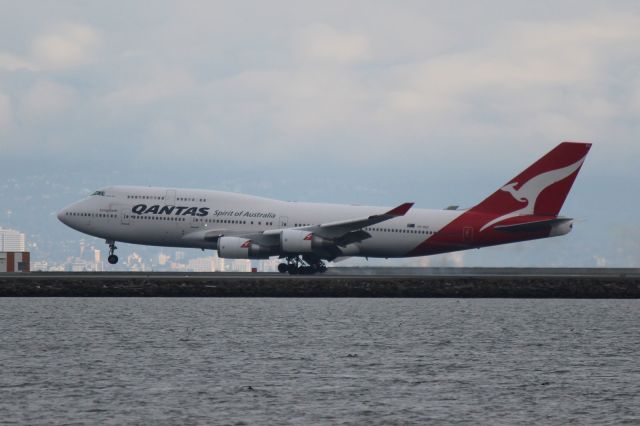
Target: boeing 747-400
point(305, 235)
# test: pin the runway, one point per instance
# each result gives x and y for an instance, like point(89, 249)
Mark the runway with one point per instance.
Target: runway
point(338, 282)
point(354, 273)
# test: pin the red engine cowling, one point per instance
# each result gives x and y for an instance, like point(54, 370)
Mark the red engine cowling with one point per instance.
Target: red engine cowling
point(241, 248)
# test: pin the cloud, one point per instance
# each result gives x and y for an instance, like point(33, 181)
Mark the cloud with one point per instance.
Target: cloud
point(526, 66)
point(11, 62)
point(156, 86)
point(5, 112)
point(324, 43)
point(525, 82)
point(357, 89)
point(70, 46)
point(45, 100)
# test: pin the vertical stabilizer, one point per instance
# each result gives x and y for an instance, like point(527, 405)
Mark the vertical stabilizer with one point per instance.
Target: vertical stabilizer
point(542, 188)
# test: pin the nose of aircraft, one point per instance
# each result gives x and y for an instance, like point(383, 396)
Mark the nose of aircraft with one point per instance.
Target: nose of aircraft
point(61, 215)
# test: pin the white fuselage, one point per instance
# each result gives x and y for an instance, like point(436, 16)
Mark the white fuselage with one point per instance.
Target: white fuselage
point(185, 217)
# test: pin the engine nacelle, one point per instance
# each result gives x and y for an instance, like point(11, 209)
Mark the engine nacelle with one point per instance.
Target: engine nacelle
point(298, 241)
point(241, 248)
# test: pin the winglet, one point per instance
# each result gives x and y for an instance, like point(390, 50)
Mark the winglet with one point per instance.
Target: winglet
point(401, 210)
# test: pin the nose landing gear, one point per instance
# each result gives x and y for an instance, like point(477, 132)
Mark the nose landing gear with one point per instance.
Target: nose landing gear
point(112, 259)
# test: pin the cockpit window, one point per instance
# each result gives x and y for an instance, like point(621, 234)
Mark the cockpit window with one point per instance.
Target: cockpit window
point(101, 193)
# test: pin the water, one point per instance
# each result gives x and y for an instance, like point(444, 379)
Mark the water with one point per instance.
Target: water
point(319, 361)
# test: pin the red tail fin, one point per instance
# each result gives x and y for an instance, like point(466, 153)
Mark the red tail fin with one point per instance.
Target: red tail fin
point(542, 188)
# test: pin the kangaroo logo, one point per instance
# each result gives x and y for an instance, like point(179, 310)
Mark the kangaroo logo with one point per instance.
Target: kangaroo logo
point(531, 190)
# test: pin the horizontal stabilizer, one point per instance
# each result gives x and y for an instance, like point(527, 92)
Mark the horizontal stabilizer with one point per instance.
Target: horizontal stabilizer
point(532, 226)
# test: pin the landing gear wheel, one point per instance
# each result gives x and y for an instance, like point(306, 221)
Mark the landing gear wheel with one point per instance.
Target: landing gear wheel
point(315, 266)
point(113, 259)
point(303, 265)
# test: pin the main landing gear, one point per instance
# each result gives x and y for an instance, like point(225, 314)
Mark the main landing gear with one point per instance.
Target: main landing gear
point(307, 266)
point(113, 259)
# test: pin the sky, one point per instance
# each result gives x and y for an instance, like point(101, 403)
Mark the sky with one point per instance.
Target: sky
point(363, 102)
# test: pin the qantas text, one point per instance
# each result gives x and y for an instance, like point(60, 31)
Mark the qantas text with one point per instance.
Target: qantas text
point(197, 211)
point(170, 210)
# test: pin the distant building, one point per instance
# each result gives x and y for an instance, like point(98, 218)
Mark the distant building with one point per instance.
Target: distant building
point(269, 265)
point(40, 265)
point(82, 265)
point(202, 264)
point(177, 267)
point(240, 265)
point(14, 261)
point(163, 259)
point(135, 263)
point(219, 262)
point(11, 240)
point(79, 265)
point(97, 260)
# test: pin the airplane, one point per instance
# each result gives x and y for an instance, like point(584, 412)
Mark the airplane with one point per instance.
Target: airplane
point(305, 235)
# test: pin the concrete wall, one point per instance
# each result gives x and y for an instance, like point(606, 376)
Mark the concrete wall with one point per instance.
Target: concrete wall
point(275, 285)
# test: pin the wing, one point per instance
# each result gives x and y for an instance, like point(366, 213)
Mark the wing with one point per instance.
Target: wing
point(338, 229)
point(343, 232)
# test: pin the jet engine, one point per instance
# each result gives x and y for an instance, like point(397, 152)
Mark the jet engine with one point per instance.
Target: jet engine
point(298, 241)
point(241, 248)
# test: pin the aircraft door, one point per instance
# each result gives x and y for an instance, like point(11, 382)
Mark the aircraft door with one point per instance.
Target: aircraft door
point(170, 197)
point(124, 215)
point(195, 222)
point(283, 221)
point(467, 234)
